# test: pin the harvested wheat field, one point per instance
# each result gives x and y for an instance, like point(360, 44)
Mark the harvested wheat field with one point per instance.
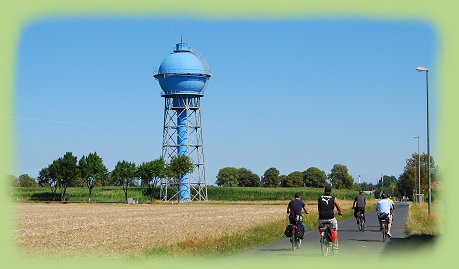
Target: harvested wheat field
point(129, 230)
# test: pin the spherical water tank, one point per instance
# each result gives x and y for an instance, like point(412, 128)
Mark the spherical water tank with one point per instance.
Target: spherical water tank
point(182, 72)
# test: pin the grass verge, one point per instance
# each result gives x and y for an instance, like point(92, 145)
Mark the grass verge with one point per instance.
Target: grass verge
point(419, 222)
point(224, 245)
point(234, 243)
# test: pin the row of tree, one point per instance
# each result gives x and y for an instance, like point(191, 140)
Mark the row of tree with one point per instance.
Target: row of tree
point(23, 180)
point(90, 171)
point(405, 185)
point(312, 177)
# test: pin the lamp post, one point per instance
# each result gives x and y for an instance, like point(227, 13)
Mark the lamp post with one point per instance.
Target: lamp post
point(419, 171)
point(425, 69)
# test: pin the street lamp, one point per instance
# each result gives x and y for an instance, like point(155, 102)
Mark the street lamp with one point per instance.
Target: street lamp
point(419, 171)
point(424, 69)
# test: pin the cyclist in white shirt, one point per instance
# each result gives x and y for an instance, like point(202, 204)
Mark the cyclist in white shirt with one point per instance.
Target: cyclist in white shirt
point(384, 209)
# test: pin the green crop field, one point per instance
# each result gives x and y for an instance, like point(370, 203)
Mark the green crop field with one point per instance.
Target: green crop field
point(113, 194)
point(253, 194)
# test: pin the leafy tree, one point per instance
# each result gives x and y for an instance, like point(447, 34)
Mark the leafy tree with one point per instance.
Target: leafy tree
point(124, 175)
point(26, 181)
point(45, 179)
point(389, 187)
point(282, 179)
point(179, 166)
point(406, 183)
point(340, 178)
point(364, 186)
point(60, 174)
point(227, 177)
point(356, 187)
point(408, 180)
point(79, 182)
point(12, 180)
point(247, 178)
point(314, 177)
point(67, 172)
point(92, 170)
point(271, 178)
point(294, 179)
point(151, 173)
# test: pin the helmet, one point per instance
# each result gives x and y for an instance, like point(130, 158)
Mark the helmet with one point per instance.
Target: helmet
point(327, 189)
point(360, 192)
point(383, 196)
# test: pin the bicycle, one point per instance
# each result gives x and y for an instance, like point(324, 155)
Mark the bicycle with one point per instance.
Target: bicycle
point(326, 243)
point(295, 240)
point(384, 224)
point(361, 221)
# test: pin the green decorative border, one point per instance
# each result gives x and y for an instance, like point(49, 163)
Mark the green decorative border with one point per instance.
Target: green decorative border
point(440, 14)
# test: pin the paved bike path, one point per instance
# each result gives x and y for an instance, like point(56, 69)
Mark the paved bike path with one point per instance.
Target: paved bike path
point(351, 240)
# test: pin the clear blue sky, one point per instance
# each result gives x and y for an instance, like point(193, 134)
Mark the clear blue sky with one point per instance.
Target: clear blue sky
point(285, 94)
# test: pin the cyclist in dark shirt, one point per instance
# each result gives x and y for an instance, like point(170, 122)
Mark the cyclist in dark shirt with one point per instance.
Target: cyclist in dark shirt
point(359, 205)
point(326, 205)
point(295, 207)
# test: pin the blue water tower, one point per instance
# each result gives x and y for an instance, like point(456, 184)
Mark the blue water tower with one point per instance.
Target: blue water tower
point(183, 76)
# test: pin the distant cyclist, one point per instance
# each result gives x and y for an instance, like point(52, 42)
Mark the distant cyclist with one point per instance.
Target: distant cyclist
point(326, 205)
point(384, 209)
point(359, 206)
point(294, 209)
point(393, 207)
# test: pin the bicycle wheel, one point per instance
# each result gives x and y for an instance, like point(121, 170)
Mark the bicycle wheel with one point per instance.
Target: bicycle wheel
point(324, 246)
point(333, 248)
point(362, 225)
point(384, 232)
point(293, 240)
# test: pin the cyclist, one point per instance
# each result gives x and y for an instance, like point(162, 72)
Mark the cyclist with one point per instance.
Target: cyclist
point(384, 209)
point(359, 206)
point(326, 205)
point(294, 209)
point(393, 207)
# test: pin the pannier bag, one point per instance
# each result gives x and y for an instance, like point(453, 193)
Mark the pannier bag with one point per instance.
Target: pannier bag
point(300, 231)
point(288, 230)
point(332, 235)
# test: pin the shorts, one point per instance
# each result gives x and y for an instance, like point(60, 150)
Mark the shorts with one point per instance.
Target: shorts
point(333, 221)
point(385, 216)
point(357, 209)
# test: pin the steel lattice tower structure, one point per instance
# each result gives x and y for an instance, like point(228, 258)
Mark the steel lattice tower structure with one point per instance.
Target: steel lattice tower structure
point(183, 76)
